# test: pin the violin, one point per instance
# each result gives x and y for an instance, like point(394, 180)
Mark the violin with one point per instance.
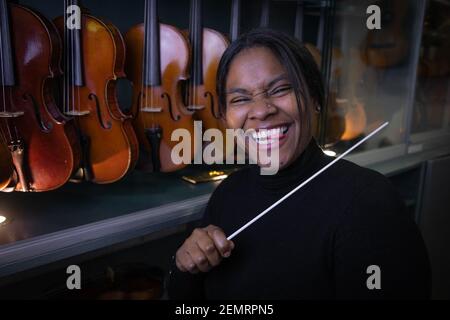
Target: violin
point(94, 60)
point(345, 115)
point(42, 141)
point(157, 63)
point(207, 47)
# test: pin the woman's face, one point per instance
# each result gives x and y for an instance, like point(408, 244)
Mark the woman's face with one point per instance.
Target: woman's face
point(260, 96)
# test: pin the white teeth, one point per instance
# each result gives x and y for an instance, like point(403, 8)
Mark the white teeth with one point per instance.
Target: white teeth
point(264, 136)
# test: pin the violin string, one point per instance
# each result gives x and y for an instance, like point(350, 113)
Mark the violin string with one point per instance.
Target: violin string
point(191, 85)
point(66, 59)
point(188, 93)
point(306, 181)
point(198, 71)
point(65, 81)
point(69, 61)
point(153, 69)
point(150, 64)
point(196, 49)
point(2, 68)
point(72, 52)
point(79, 37)
point(199, 35)
point(3, 82)
point(143, 100)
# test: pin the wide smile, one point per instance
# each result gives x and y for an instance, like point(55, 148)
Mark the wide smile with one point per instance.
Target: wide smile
point(269, 137)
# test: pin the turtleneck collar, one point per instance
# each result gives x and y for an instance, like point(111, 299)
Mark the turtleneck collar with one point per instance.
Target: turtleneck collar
point(303, 167)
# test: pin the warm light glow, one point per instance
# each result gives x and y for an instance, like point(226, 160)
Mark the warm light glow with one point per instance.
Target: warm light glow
point(220, 177)
point(215, 173)
point(330, 153)
point(2, 219)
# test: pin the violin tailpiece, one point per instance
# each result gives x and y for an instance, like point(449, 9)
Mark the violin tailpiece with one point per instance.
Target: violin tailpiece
point(17, 149)
point(154, 136)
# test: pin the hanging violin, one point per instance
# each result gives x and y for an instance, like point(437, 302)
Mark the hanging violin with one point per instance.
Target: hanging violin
point(94, 53)
point(157, 63)
point(42, 143)
point(207, 47)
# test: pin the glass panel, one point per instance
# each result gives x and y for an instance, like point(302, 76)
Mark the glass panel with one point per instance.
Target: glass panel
point(371, 73)
point(432, 100)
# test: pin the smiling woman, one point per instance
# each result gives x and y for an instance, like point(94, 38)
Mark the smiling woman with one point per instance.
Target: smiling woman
point(274, 68)
point(323, 241)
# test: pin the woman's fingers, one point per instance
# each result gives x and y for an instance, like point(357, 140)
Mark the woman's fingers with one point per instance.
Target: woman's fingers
point(203, 250)
point(221, 242)
point(198, 257)
point(206, 244)
point(184, 262)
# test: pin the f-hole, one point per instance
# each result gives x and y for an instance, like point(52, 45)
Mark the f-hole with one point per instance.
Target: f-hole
point(169, 102)
point(211, 103)
point(108, 124)
point(44, 127)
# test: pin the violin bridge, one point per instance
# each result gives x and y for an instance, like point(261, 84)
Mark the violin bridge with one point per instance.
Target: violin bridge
point(11, 114)
point(195, 107)
point(75, 113)
point(151, 109)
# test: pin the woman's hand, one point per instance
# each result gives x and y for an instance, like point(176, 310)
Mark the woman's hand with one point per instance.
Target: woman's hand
point(203, 250)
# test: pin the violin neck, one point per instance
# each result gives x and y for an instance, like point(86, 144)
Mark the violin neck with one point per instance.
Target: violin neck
point(72, 46)
point(235, 19)
point(152, 60)
point(265, 13)
point(196, 39)
point(298, 33)
point(6, 58)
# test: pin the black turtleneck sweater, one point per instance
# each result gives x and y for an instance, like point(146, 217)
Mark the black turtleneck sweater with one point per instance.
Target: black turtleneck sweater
point(318, 243)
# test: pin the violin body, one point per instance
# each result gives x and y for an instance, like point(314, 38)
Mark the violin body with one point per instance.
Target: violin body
point(42, 142)
point(159, 107)
point(110, 147)
point(203, 97)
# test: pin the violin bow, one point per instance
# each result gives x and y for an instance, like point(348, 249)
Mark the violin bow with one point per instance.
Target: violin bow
point(248, 224)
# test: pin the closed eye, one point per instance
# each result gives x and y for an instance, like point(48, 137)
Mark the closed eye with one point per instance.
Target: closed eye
point(280, 90)
point(239, 100)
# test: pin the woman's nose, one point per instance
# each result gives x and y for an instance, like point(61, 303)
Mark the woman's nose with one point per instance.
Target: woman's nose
point(261, 109)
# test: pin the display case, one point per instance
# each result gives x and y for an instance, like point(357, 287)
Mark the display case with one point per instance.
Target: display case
point(399, 73)
point(430, 117)
point(372, 76)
